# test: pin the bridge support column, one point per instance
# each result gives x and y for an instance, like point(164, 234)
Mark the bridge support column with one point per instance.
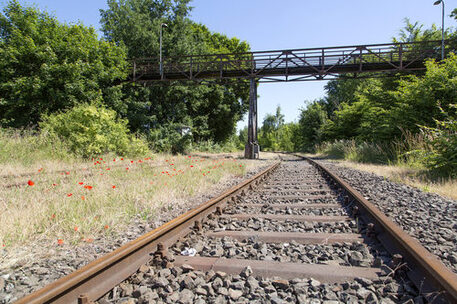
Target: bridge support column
point(251, 150)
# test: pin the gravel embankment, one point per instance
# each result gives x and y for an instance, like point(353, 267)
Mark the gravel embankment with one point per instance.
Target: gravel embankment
point(27, 269)
point(186, 285)
point(428, 217)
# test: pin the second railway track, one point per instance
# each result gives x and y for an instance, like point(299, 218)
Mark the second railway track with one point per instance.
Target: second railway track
point(298, 235)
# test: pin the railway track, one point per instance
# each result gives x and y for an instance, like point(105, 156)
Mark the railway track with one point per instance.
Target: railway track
point(293, 233)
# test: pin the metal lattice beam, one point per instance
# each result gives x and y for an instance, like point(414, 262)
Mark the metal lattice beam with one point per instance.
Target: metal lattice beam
point(291, 65)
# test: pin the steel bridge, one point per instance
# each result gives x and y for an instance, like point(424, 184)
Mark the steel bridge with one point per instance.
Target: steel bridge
point(288, 65)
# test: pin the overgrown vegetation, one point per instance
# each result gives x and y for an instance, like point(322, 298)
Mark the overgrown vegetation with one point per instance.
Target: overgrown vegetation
point(403, 120)
point(47, 67)
point(89, 130)
point(275, 135)
point(49, 196)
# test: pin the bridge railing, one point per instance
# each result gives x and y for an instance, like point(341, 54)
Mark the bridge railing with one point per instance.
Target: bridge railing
point(311, 61)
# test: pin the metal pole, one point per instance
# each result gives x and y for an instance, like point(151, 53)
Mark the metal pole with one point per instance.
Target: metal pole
point(442, 26)
point(160, 56)
point(442, 31)
point(252, 147)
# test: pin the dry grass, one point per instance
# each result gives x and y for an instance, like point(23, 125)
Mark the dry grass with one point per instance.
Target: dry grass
point(409, 176)
point(77, 201)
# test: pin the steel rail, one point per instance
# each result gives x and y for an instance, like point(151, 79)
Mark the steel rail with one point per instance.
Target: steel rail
point(97, 278)
point(428, 273)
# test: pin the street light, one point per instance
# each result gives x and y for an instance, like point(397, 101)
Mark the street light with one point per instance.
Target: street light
point(161, 62)
point(442, 27)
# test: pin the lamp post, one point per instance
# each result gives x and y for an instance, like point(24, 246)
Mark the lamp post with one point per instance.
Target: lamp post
point(442, 27)
point(161, 61)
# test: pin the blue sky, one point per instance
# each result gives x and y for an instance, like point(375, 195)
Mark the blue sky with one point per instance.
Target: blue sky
point(283, 24)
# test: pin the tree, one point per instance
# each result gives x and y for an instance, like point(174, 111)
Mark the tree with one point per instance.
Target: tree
point(211, 110)
point(275, 135)
point(310, 123)
point(47, 66)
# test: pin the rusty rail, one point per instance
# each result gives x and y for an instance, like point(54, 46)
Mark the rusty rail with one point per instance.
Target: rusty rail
point(97, 278)
point(428, 273)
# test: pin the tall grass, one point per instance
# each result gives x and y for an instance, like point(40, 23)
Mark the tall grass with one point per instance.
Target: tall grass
point(28, 147)
point(408, 150)
point(74, 200)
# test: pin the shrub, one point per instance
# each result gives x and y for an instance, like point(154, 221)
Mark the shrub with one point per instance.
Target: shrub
point(169, 139)
point(443, 140)
point(90, 130)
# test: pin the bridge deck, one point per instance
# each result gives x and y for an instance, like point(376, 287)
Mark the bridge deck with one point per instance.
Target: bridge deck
point(291, 65)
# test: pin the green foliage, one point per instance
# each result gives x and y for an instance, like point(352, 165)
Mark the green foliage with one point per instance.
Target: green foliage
point(47, 66)
point(274, 135)
point(310, 123)
point(212, 109)
point(443, 140)
point(29, 147)
point(233, 144)
point(168, 138)
point(90, 130)
point(364, 152)
point(405, 120)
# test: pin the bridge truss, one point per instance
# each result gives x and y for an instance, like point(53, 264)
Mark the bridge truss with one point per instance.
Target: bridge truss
point(288, 65)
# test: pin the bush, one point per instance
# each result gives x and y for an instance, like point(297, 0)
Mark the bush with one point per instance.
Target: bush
point(443, 140)
point(364, 152)
point(169, 139)
point(90, 130)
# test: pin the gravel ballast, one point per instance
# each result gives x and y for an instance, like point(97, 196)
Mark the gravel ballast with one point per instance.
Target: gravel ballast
point(186, 285)
point(428, 217)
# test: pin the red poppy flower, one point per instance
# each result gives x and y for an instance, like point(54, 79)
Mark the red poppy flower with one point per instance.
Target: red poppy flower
point(67, 173)
point(108, 169)
point(88, 187)
point(101, 158)
point(122, 158)
point(83, 197)
point(53, 216)
point(114, 159)
point(69, 194)
point(39, 170)
point(114, 187)
point(131, 161)
point(81, 183)
point(30, 183)
point(76, 228)
point(191, 166)
point(59, 241)
point(126, 168)
point(106, 227)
